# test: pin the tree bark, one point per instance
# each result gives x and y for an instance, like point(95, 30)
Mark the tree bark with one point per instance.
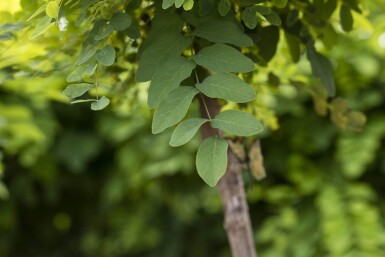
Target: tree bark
point(231, 189)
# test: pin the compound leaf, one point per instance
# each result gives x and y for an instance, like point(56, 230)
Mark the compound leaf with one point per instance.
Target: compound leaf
point(185, 131)
point(106, 55)
point(237, 123)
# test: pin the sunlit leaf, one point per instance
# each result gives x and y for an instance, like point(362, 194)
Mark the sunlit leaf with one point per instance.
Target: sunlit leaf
point(42, 25)
point(52, 9)
point(211, 160)
point(76, 90)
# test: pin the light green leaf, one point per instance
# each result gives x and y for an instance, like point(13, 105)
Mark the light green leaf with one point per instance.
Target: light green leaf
point(249, 17)
point(178, 3)
point(83, 101)
point(173, 108)
point(42, 25)
point(168, 77)
point(227, 86)
point(322, 69)
point(167, 46)
point(52, 9)
point(224, 6)
point(100, 104)
point(280, 3)
point(188, 5)
point(223, 32)
point(76, 90)
point(6, 36)
point(237, 123)
point(86, 54)
point(38, 12)
point(106, 55)
point(211, 160)
point(167, 3)
point(77, 74)
point(120, 21)
point(223, 58)
point(185, 131)
point(346, 18)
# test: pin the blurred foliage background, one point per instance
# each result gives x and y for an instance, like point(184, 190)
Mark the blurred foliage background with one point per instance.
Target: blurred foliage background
point(80, 183)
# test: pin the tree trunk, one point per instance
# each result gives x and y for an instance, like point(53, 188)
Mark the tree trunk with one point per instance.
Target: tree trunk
point(236, 210)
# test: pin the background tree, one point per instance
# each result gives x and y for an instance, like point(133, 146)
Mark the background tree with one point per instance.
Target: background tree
point(104, 38)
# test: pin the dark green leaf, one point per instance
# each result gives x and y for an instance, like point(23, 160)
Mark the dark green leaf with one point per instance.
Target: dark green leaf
point(224, 7)
point(223, 58)
point(185, 131)
point(76, 90)
point(249, 17)
point(293, 43)
point(280, 3)
point(173, 108)
point(268, 41)
point(120, 21)
point(223, 32)
point(227, 86)
point(106, 55)
point(346, 18)
point(211, 160)
point(237, 123)
point(167, 3)
point(261, 9)
point(100, 104)
point(273, 19)
point(104, 32)
point(168, 77)
point(83, 101)
point(322, 69)
point(167, 46)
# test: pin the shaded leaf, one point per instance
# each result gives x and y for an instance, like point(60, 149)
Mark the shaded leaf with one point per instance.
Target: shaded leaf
point(120, 21)
point(267, 42)
point(86, 54)
point(100, 104)
point(346, 18)
point(280, 3)
point(227, 86)
point(83, 101)
point(185, 131)
point(168, 77)
point(322, 69)
point(237, 123)
point(103, 32)
point(224, 7)
point(293, 43)
point(77, 74)
point(106, 55)
point(273, 18)
point(223, 32)
point(249, 17)
point(76, 90)
point(167, 46)
point(173, 108)
point(223, 58)
point(167, 3)
point(211, 160)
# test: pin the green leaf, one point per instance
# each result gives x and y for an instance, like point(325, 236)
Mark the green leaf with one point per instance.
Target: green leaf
point(224, 6)
point(100, 104)
point(167, 46)
point(52, 9)
point(104, 32)
point(223, 32)
point(267, 44)
point(38, 12)
point(106, 55)
point(6, 36)
point(249, 17)
point(227, 86)
point(83, 101)
point(322, 69)
point(12, 26)
point(223, 58)
point(167, 3)
point(185, 131)
point(168, 77)
point(346, 18)
point(178, 3)
point(86, 54)
point(237, 123)
point(261, 9)
point(173, 108)
point(280, 3)
point(188, 5)
point(273, 18)
point(211, 160)
point(42, 25)
point(76, 90)
point(77, 74)
point(120, 21)
point(293, 43)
